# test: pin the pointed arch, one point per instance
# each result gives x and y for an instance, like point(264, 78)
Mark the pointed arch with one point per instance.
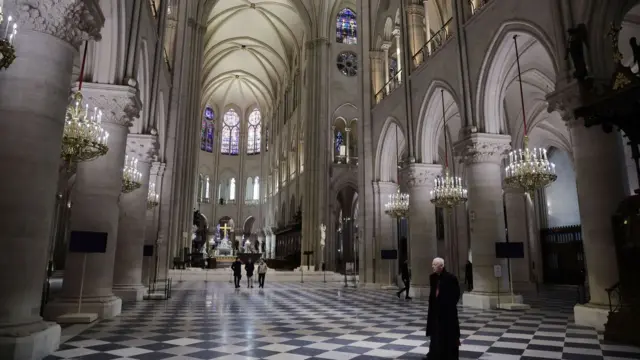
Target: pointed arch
point(498, 66)
point(230, 136)
point(390, 142)
point(347, 27)
point(254, 132)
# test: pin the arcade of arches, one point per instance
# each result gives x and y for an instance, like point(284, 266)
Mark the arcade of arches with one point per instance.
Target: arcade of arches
point(279, 129)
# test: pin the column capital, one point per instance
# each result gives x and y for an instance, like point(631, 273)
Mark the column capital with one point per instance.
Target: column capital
point(420, 175)
point(483, 148)
point(386, 45)
point(565, 100)
point(396, 32)
point(120, 104)
point(143, 147)
point(415, 10)
point(157, 168)
point(72, 21)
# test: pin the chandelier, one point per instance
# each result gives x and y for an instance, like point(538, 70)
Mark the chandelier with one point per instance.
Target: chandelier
point(398, 205)
point(448, 190)
point(83, 138)
point(7, 50)
point(131, 177)
point(153, 199)
point(528, 169)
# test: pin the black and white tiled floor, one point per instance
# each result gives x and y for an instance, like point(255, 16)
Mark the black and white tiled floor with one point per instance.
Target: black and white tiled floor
point(325, 321)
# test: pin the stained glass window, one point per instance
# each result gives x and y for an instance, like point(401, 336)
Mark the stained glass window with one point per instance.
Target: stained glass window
point(206, 133)
point(339, 141)
point(254, 132)
point(346, 27)
point(347, 63)
point(230, 138)
point(256, 188)
point(232, 189)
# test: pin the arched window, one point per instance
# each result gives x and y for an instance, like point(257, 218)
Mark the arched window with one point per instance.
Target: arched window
point(266, 136)
point(200, 187)
point(230, 133)
point(232, 189)
point(254, 133)
point(207, 192)
point(206, 133)
point(256, 188)
point(346, 27)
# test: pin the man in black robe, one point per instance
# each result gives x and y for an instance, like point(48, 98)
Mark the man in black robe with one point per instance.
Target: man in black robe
point(236, 267)
point(442, 317)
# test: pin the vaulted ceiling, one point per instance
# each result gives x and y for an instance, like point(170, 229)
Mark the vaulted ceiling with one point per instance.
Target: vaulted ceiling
point(250, 47)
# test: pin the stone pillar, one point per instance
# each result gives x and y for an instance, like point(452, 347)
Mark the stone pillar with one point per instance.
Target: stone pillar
point(96, 197)
point(347, 152)
point(519, 218)
point(385, 49)
point(600, 191)
point(386, 270)
point(396, 35)
point(422, 224)
point(127, 273)
point(377, 73)
point(316, 178)
point(151, 224)
point(483, 156)
point(260, 242)
point(427, 25)
point(272, 248)
point(415, 25)
point(33, 99)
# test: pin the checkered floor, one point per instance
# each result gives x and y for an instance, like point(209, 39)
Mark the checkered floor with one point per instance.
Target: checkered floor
point(326, 321)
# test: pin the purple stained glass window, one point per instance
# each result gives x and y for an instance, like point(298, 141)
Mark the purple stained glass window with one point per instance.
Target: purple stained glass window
point(347, 27)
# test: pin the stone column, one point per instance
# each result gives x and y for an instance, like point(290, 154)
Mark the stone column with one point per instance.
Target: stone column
point(96, 197)
point(427, 25)
point(316, 178)
point(260, 242)
point(396, 35)
point(272, 250)
point(151, 224)
point(483, 156)
point(415, 24)
point(377, 73)
point(386, 270)
point(385, 49)
point(33, 99)
point(348, 135)
point(127, 273)
point(519, 217)
point(422, 224)
point(599, 182)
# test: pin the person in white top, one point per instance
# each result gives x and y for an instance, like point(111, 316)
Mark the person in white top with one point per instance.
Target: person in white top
point(262, 272)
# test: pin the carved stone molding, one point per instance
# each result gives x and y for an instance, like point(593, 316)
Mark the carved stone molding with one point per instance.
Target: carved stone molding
point(120, 104)
point(483, 148)
point(420, 175)
point(157, 168)
point(415, 10)
point(143, 147)
point(72, 21)
point(565, 100)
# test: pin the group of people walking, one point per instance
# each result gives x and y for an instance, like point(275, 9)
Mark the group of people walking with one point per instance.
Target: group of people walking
point(249, 268)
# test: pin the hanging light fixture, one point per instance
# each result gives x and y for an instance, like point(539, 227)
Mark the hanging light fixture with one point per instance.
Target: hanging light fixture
point(83, 138)
point(131, 177)
point(448, 191)
point(153, 199)
point(528, 169)
point(7, 49)
point(398, 204)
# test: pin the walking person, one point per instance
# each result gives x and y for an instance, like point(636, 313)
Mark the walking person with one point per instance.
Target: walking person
point(406, 279)
point(262, 273)
point(442, 317)
point(249, 267)
point(236, 267)
point(468, 275)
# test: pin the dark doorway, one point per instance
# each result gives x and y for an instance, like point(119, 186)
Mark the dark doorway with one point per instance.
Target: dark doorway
point(563, 255)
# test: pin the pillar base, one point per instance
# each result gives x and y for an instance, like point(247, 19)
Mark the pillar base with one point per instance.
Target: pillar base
point(106, 307)
point(419, 292)
point(487, 301)
point(592, 315)
point(129, 292)
point(33, 345)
